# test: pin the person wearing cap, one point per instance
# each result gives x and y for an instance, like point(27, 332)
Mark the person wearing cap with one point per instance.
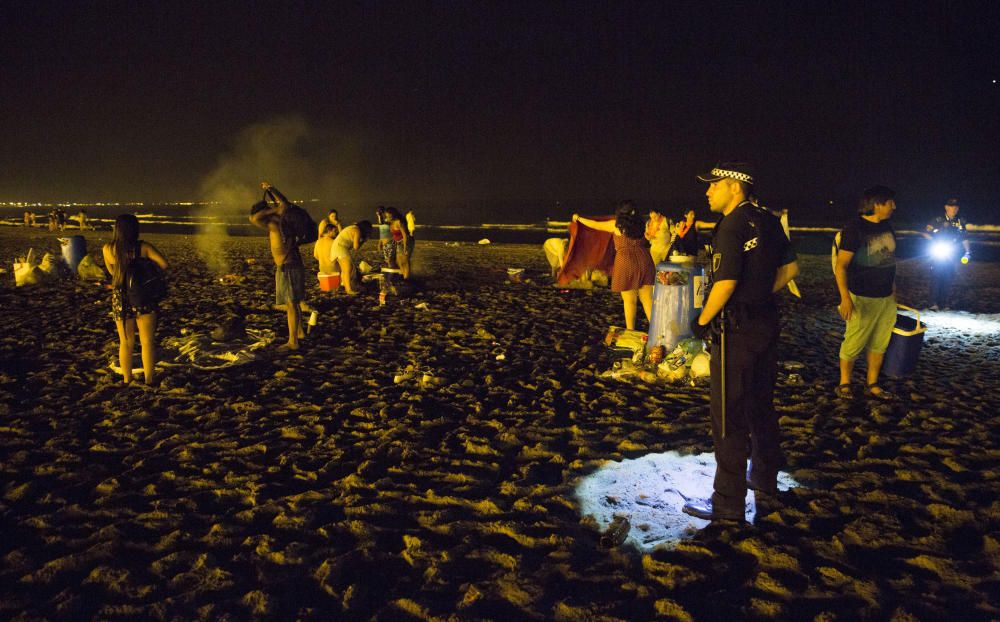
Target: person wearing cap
point(752, 260)
point(950, 230)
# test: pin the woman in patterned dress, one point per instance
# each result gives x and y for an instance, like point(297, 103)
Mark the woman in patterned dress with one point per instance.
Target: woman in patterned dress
point(118, 257)
point(633, 271)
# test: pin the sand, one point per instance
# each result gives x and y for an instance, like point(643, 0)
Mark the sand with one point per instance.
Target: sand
point(419, 460)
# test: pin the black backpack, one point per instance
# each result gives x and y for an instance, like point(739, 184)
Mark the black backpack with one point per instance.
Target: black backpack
point(145, 283)
point(296, 223)
point(298, 226)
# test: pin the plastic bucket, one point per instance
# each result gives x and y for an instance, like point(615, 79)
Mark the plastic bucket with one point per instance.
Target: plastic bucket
point(328, 282)
point(73, 249)
point(904, 345)
point(673, 303)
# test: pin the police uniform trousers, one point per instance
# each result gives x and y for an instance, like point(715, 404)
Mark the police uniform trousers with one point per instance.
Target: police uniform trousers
point(942, 276)
point(751, 360)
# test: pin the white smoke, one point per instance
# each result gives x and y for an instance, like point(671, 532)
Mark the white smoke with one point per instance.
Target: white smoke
point(273, 151)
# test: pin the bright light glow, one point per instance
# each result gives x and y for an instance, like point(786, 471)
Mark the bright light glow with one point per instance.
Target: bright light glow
point(651, 491)
point(946, 324)
point(942, 249)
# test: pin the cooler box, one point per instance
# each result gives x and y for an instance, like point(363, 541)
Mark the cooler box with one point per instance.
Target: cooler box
point(673, 303)
point(904, 345)
point(328, 282)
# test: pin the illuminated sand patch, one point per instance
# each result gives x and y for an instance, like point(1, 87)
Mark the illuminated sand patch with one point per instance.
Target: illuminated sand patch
point(947, 323)
point(651, 491)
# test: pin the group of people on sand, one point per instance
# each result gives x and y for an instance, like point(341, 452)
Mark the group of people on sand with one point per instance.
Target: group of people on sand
point(58, 220)
point(336, 244)
point(752, 260)
point(642, 241)
point(334, 247)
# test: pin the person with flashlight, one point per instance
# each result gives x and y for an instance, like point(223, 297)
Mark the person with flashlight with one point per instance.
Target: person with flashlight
point(752, 260)
point(945, 233)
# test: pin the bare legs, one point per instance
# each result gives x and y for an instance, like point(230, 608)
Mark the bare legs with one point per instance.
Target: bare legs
point(874, 360)
point(404, 264)
point(147, 338)
point(345, 274)
point(294, 325)
point(126, 345)
point(645, 296)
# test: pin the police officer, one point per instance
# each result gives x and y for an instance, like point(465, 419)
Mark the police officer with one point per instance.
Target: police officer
point(752, 259)
point(950, 231)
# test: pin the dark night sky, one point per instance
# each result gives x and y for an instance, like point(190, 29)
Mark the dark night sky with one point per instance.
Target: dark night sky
point(467, 101)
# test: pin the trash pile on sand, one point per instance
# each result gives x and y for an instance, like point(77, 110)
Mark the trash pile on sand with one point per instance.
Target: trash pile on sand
point(687, 362)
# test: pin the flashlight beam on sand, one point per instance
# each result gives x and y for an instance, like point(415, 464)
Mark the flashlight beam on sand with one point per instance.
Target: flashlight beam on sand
point(650, 491)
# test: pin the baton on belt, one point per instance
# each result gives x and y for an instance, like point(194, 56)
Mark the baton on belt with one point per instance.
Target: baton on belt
point(722, 366)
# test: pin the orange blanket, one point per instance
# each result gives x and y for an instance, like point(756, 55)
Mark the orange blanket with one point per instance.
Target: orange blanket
point(588, 250)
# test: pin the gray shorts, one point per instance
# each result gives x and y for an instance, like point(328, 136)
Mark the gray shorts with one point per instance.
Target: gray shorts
point(289, 284)
point(870, 326)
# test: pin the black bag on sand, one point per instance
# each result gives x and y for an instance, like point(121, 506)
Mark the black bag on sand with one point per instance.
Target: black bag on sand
point(146, 283)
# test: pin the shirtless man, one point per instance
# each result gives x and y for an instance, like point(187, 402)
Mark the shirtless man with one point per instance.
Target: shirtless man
point(289, 272)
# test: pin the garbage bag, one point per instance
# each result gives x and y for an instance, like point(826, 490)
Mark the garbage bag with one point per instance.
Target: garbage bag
point(26, 270)
point(90, 271)
point(699, 365)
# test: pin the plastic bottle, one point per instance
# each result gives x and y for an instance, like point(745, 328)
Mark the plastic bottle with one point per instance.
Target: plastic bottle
point(616, 533)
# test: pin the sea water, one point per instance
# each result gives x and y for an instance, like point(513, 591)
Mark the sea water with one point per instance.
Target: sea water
point(452, 224)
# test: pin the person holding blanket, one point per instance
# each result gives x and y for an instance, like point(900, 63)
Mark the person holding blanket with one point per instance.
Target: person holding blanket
point(119, 255)
point(633, 271)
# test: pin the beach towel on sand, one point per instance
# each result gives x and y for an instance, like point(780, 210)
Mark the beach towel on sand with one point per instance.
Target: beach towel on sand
point(202, 352)
point(588, 250)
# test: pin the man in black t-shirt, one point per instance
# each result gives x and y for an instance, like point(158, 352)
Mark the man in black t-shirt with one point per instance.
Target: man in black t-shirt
point(752, 259)
point(866, 274)
point(948, 230)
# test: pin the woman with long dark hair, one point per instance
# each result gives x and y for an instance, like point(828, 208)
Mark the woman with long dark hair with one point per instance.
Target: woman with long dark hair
point(125, 248)
point(633, 271)
point(330, 226)
point(400, 245)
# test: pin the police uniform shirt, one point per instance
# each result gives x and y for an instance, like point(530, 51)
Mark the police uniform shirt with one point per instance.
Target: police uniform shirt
point(749, 246)
point(948, 228)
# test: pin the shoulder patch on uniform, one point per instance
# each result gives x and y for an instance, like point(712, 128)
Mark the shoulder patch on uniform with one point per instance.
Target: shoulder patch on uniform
point(750, 244)
point(716, 261)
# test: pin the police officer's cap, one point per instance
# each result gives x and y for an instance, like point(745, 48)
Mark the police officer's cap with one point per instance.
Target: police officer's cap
point(740, 171)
